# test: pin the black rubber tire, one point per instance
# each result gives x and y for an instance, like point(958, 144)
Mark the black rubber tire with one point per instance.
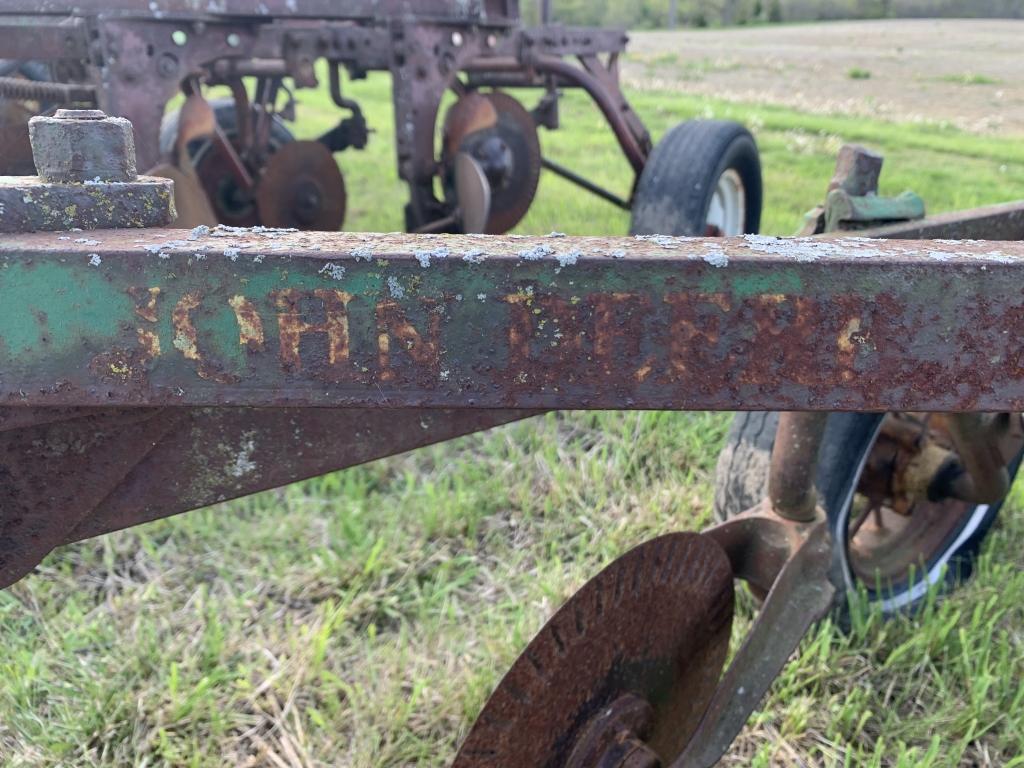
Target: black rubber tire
point(678, 182)
point(741, 476)
point(227, 118)
point(741, 481)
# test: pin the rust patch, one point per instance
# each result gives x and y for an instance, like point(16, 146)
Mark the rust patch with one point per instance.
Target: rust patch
point(292, 327)
point(122, 367)
point(618, 332)
point(150, 343)
point(393, 324)
point(146, 309)
point(545, 337)
point(186, 340)
point(145, 302)
point(695, 324)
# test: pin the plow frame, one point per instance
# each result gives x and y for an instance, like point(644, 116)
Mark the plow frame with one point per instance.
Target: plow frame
point(132, 58)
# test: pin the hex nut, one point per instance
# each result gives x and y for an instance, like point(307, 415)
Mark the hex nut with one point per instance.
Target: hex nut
point(81, 146)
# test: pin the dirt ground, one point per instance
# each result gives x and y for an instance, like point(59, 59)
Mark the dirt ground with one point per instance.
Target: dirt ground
point(965, 72)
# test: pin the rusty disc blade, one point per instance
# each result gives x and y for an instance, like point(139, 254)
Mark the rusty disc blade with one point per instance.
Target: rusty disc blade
point(471, 113)
point(654, 626)
point(302, 187)
point(511, 200)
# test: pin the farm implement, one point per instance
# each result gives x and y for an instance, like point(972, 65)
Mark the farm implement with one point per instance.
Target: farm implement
point(148, 371)
point(472, 164)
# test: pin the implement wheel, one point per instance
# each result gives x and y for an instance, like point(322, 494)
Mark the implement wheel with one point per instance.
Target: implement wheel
point(894, 546)
point(703, 179)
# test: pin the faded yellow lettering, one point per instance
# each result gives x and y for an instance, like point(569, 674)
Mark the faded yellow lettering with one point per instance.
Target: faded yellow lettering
point(145, 308)
point(291, 326)
point(186, 340)
point(694, 328)
point(618, 332)
point(250, 326)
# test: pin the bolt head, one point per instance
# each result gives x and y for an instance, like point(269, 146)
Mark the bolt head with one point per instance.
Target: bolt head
point(167, 65)
point(79, 114)
point(82, 145)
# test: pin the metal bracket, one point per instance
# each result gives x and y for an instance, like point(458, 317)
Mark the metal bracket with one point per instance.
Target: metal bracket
point(801, 594)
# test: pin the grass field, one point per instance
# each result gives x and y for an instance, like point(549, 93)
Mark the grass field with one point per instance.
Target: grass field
point(360, 619)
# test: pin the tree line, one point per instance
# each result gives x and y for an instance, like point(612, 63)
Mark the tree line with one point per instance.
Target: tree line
point(654, 14)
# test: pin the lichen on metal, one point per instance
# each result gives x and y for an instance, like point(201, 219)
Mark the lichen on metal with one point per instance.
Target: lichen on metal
point(28, 204)
point(87, 179)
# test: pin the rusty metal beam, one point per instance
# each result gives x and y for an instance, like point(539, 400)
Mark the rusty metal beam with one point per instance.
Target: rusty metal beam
point(993, 222)
point(488, 11)
point(69, 474)
point(272, 318)
point(24, 36)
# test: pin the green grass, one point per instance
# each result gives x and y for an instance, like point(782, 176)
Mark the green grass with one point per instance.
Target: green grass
point(971, 78)
point(948, 168)
point(360, 619)
point(856, 73)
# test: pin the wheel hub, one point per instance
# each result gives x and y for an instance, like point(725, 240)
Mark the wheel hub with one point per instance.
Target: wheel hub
point(907, 506)
point(232, 204)
point(495, 157)
point(615, 737)
point(302, 188)
point(500, 134)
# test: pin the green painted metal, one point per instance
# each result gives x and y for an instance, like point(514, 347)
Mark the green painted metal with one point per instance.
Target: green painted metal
point(283, 318)
point(843, 210)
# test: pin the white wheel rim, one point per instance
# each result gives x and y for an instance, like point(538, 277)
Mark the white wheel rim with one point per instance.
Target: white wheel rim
point(727, 212)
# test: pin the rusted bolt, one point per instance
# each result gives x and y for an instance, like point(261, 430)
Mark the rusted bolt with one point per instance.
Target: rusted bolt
point(87, 179)
point(82, 145)
point(167, 66)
